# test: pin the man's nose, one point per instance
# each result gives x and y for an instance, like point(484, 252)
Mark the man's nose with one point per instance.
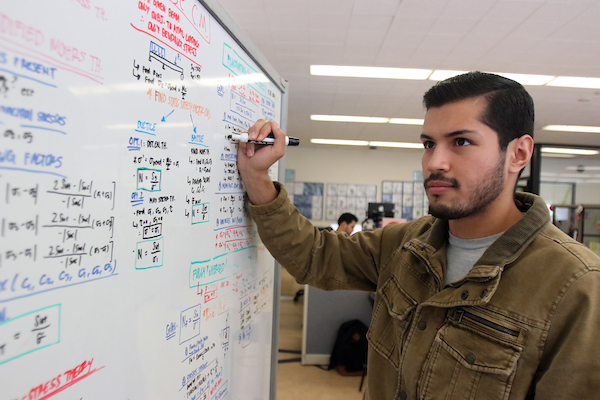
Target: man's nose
point(438, 160)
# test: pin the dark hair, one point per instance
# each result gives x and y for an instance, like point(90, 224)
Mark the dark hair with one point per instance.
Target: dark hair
point(510, 108)
point(347, 218)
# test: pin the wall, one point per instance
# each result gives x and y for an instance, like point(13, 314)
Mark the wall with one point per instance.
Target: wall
point(587, 193)
point(346, 164)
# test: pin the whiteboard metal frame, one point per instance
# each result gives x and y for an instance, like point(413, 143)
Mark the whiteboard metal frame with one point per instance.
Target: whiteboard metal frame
point(232, 28)
point(277, 271)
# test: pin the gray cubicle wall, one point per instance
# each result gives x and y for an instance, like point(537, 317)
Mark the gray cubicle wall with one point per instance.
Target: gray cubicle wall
point(324, 312)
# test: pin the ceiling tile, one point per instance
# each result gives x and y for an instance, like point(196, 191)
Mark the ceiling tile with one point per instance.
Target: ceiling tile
point(368, 30)
point(376, 7)
point(514, 10)
point(493, 28)
point(539, 30)
point(337, 8)
point(459, 9)
point(328, 37)
point(421, 8)
point(295, 37)
point(561, 11)
point(411, 25)
point(576, 31)
point(434, 42)
point(327, 22)
point(360, 55)
point(463, 59)
point(292, 8)
point(453, 26)
point(291, 58)
point(429, 57)
point(326, 54)
point(235, 7)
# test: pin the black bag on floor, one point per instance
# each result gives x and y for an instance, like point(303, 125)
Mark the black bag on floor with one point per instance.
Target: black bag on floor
point(349, 356)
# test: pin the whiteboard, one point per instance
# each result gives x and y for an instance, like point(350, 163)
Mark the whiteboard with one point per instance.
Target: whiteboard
point(128, 266)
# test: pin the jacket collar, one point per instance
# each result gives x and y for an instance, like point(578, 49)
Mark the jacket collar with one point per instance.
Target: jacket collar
point(431, 244)
point(515, 240)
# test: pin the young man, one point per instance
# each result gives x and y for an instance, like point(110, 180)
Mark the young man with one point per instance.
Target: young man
point(484, 299)
point(346, 223)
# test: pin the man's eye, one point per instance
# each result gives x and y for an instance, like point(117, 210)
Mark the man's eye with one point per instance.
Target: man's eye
point(462, 142)
point(428, 144)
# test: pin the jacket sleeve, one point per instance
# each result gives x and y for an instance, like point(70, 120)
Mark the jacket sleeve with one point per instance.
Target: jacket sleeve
point(323, 259)
point(570, 365)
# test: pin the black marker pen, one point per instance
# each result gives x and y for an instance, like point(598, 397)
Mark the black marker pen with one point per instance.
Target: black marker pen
point(243, 137)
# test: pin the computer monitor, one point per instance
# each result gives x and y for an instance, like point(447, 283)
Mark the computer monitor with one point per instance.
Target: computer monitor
point(378, 211)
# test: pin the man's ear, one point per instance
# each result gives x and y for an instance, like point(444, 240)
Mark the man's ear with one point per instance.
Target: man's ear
point(519, 153)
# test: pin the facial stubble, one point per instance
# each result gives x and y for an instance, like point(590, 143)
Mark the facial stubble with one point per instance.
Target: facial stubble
point(483, 196)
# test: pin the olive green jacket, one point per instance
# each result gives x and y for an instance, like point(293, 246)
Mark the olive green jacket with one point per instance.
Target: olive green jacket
point(523, 324)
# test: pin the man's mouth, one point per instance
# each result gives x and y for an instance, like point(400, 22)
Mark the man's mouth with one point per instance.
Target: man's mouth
point(437, 184)
point(439, 187)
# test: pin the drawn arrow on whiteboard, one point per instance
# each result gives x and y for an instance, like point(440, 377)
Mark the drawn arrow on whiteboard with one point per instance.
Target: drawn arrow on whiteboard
point(193, 123)
point(164, 118)
point(136, 67)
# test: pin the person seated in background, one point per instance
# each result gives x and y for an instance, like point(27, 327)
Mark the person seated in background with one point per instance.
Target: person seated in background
point(346, 223)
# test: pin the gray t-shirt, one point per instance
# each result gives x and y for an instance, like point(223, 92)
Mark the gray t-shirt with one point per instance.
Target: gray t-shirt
point(462, 254)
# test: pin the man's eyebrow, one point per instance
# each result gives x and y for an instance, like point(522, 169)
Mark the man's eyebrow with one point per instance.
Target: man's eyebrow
point(460, 132)
point(451, 134)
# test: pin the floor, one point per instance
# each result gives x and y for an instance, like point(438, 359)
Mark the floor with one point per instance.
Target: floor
point(298, 382)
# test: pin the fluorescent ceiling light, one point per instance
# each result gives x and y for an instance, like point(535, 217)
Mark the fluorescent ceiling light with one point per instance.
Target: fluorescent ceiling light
point(340, 142)
point(579, 152)
point(349, 118)
point(397, 144)
point(554, 155)
point(527, 79)
point(579, 175)
point(365, 143)
point(406, 121)
point(441, 74)
point(370, 72)
point(583, 167)
point(373, 120)
point(575, 82)
point(523, 79)
point(572, 128)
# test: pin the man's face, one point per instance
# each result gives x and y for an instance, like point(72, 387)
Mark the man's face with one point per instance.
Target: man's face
point(350, 227)
point(463, 167)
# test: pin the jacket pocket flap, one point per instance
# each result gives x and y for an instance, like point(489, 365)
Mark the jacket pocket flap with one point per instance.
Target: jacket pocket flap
point(391, 317)
point(399, 302)
point(479, 353)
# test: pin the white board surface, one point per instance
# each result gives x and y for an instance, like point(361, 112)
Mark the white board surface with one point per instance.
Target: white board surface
point(128, 268)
